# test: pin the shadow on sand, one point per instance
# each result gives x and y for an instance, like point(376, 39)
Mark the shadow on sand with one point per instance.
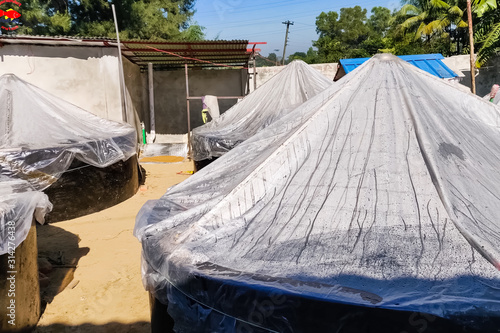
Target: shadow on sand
point(60, 249)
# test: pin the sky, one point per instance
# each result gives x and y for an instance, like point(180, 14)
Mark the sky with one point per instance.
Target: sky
point(261, 20)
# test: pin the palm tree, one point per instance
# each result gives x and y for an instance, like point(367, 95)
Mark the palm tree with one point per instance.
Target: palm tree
point(427, 18)
point(487, 34)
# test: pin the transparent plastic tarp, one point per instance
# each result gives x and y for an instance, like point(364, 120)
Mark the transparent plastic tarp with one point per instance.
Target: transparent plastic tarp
point(41, 134)
point(383, 192)
point(294, 85)
point(19, 205)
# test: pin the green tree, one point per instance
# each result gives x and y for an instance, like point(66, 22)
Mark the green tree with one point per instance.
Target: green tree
point(379, 24)
point(402, 41)
point(310, 57)
point(487, 31)
point(352, 34)
point(380, 20)
point(270, 60)
point(44, 18)
point(441, 22)
point(273, 57)
point(423, 18)
point(296, 56)
point(341, 36)
point(145, 19)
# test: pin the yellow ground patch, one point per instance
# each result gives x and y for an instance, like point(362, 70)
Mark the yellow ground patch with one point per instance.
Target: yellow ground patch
point(162, 159)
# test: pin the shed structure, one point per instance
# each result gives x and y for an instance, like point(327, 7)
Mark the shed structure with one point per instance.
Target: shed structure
point(85, 72)
point(228, 62)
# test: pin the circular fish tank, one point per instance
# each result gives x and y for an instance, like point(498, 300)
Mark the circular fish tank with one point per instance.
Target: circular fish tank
point(372, 207)
point(84, 163)
point(85, 189)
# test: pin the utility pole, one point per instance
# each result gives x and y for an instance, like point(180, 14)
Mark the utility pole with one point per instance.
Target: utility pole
point(288, 24)
point(471, 41)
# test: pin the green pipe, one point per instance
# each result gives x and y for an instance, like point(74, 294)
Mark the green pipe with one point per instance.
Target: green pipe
point(143, 133)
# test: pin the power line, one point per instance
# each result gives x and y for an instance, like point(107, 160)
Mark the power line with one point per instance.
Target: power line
point(274, 16)
point(242, 35)
point(247, 9)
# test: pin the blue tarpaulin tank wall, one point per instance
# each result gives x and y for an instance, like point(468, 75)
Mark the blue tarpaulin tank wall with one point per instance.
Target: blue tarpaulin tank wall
point(369, 208)
point(431, 63)
point(294, 85)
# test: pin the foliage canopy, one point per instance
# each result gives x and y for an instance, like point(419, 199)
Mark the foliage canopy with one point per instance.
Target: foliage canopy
point(419, 26)
point(144, 19)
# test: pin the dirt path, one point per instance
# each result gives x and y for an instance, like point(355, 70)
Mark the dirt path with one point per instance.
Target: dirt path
point(104, 293)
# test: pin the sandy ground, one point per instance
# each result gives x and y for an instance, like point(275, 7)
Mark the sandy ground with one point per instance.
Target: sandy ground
point(95, 285)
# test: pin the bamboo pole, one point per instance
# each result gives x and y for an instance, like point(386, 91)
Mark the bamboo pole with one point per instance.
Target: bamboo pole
point(122, 76)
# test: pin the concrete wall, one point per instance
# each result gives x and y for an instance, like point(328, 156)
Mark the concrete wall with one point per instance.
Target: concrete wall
point(85, 76)
point(136, 95)
point(265, 73)
point(170, 96)
point(486, 76)
point(88, 76)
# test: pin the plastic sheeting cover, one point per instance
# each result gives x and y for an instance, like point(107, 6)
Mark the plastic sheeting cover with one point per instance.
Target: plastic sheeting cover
point(19, 204)
point(294, 85)
point(40, 135)
point(382, 191)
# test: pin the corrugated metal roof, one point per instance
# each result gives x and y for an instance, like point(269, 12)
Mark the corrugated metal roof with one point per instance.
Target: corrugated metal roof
point(431, 63)
point(57, 40)
point(163, 55)
point(60, 37)
point(168, 55)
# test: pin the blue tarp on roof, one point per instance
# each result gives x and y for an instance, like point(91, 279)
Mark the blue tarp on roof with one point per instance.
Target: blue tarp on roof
point(431, 63)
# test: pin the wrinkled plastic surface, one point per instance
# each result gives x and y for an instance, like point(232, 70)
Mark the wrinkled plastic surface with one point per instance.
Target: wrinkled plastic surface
point(41, 134)
point(382, 192)
point(19, 204)
point(294, 85)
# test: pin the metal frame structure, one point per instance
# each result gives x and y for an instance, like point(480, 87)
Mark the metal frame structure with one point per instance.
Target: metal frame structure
point(204, 54)
point(151, 56)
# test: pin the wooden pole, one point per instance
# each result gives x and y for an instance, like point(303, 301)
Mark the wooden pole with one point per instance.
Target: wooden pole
point(288, 24)
point(471, 41)
point(188, 111)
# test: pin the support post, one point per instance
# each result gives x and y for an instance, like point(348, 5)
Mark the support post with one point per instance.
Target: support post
point(248, 83)
point(152, 130)
point(122, 77)
point(471, 41)
point(254, 72)
point(188, 111)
